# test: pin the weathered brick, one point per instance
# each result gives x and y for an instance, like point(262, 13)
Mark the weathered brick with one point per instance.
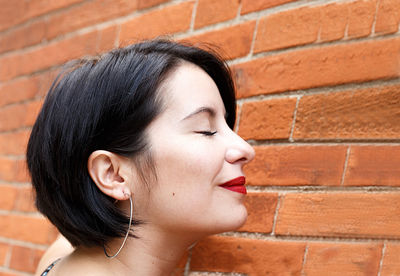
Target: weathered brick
point(261, 210)
point(296, 165)
point(391, 260)
point(13, 170)
point(334, 18)
point(25, 259)
point(21, 227)
point(343, 259)
point(373, 166)
point(107, 39)
point(371, 113)
point(19, 115)
point(388, 17)
point(8, 195)
point(14, 143)
point(143, 4)
point(325, 66)
point(269, 119)
point(339, 215)
point(4, 249)
point(256, 5)
point(230, 42)
point(361, 18)
point(87, 14)
point(171, 19)
point(211, 11)
point(19, 90)
point(254, 257)
point(288, 28)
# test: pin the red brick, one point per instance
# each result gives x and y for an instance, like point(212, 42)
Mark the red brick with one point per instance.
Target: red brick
point(361, 18)
point(19, 90)
point(296, 165)
point(391, 260)
point(25, 259)
point(87, 14)
point(143, 4)
point(269, 119)
point(330, 65)
point(14, 143)
point(107, 39)
point(25, 201)
point(9, 274)
point(373, 166)
point(253, 257)
point(334, 18)
point(388, 17)
point(371, 113)
point(19, 115)
point(13, 170)
point(343, 259)
point(23, 36)
point(339, 215)
point(4, 249)
point(288, 28)
point(171, 19)
point(256, 5)
point(16, 12)
point(211, 11)
point(56, 53)
point(261, 210)
point(27, 228)
point(8, 195)
point(230, 42)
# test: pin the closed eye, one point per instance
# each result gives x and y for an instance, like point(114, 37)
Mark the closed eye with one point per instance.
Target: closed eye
point(206, 133)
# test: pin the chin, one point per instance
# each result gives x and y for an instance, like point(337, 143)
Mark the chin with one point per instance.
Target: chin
point(233, 222)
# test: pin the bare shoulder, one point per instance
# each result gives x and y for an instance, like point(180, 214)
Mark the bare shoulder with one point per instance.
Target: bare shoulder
point(59, 248)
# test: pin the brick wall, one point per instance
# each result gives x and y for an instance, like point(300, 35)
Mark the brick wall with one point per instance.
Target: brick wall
point(319, 98)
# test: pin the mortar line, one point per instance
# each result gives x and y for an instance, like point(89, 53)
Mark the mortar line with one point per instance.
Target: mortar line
point(238, 116)
point(346, 161)
point(253, 41)
point(278, 205)
point(187, 265)
point(304, 260)
point(382, 257)
point(294, 119)
point(193, 19)
point(375, 16)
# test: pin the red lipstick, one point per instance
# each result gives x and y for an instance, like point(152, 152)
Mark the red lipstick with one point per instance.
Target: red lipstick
point(236, 185)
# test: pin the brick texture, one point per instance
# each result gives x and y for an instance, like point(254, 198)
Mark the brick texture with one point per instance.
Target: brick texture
point(391, 260)
point(25, 259)
point(210, 11)
point(256, 5)
point(388, 17)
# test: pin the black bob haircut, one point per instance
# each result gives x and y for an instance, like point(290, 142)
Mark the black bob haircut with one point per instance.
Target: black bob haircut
point(105, 103)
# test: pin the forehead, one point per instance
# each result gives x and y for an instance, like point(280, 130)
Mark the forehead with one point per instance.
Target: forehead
point(189, 87)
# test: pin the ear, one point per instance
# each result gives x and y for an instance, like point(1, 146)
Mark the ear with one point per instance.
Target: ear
point(107, 170)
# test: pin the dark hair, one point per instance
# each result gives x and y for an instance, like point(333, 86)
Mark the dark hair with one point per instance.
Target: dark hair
point(105, 103)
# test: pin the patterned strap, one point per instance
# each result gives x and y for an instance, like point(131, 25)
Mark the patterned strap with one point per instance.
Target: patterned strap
point(49, 268)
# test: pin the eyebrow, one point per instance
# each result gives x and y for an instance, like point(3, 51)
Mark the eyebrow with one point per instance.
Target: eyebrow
point(203, 109)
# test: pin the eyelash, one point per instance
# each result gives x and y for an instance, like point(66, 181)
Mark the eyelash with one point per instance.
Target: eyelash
point(207, 133)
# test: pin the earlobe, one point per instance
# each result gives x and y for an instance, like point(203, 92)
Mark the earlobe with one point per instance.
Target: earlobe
point(104, 168)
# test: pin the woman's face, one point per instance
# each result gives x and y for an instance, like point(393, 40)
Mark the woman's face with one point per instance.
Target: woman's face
point(194, 152)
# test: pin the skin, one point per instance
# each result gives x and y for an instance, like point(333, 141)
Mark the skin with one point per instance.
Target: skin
point(185, 202)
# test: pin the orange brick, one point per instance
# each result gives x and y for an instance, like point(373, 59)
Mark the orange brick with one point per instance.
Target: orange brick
point(8, 195)
point(256, 5)
point(211, 11)
point(25, 259)
point(343, 259)
point(270, 119)
point(16, 12)
point(296, 165)
point(25, 201)
point(391, 260)
point(107, 39)
point(334, 18)
point(14, 143)
point(19, 115)
point(13, 170)
point(371, 113)
point(288, 28)
point(19, 90)
point(231, 42)
point(87, 14)
point(27, 228)
point(330, 65)
point(373, 166)
point(8, 274)
point(56, 53)
point(388, 17)
point(169, 20)
point(261, 210)
point(23, 36)
point(4, 249)
point(143, 4)
point(339, 215)
point(253, 257)
point(361, 18)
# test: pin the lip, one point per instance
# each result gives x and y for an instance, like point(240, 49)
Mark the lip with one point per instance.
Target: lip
point(236, 185)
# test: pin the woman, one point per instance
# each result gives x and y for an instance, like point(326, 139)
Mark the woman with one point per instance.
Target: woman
point(138, 142)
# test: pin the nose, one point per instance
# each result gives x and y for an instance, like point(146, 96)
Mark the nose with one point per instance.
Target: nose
point(239, 151)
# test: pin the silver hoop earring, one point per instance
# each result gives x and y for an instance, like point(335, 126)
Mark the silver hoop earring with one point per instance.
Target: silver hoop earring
point(126, 236)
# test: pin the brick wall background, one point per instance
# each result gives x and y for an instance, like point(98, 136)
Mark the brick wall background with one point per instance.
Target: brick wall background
point(319, 98)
